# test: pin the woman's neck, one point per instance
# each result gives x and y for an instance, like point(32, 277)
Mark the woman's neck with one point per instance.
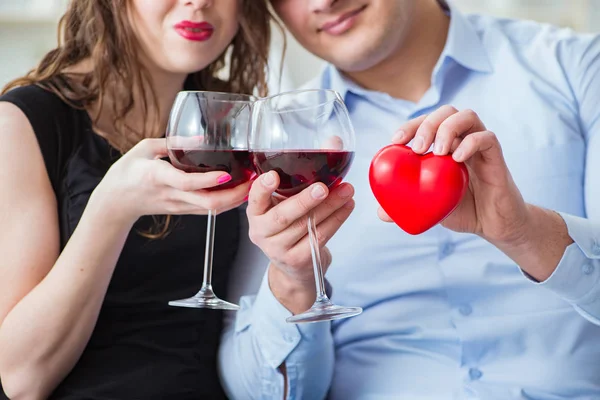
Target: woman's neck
point(165, 86)
point(152, 122)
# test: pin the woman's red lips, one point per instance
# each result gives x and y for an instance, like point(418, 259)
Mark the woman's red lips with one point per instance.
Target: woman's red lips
point(195, 31)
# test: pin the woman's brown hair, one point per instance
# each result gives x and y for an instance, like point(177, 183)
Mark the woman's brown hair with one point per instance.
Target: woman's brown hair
point(100, 31)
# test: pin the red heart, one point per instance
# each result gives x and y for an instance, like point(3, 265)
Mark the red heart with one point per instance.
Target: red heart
point(417, 191)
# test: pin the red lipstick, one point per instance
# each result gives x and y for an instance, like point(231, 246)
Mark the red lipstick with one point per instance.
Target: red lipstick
point(195, 31)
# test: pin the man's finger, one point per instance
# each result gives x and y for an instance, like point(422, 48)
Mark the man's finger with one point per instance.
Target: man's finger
point(427, 131)
point(284, 215)
point(456, 126)
point(339, 198)
point(383, 215)
point(325, 231)
point(484, 143)
point(259, 198)
point(407, 131)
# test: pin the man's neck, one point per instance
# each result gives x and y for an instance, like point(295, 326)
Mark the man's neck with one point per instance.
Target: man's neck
point(407, 73)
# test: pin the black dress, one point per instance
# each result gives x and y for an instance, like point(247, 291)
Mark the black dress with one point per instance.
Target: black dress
point(141, 348)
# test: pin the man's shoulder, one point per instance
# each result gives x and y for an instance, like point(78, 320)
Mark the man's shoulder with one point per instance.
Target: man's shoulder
point(541, 39)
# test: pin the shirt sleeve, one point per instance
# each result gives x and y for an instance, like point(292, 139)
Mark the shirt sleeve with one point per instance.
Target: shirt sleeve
point(257, 340)
point(577, 277)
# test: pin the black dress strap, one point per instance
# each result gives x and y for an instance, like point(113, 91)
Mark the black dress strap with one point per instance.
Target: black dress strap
point(50, 118)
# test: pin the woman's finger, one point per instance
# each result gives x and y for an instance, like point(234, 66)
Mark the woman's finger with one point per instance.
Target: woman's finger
point(220, 200)
point(164, 173)
point(150, 148)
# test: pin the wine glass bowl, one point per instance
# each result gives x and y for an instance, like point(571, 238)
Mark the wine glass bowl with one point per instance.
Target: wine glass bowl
point(236, 163)
point(306, 137)
point(208, 131)
point(299, 169)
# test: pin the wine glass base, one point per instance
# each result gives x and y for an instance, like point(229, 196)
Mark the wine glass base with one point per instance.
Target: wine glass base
point(213, 303)
point(324, 313)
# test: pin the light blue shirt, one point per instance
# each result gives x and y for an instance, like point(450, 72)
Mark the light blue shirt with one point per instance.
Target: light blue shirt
point(447, 315)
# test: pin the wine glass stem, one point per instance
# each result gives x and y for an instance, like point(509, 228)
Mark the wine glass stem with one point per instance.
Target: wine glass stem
point(316, 258)
point(208, 256)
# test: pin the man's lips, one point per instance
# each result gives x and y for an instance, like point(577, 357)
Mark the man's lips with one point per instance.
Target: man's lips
point(342, 23)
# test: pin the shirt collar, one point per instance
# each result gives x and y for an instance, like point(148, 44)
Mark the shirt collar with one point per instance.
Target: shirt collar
point(463, 45)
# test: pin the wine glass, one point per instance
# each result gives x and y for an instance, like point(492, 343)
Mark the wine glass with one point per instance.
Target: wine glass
point(306, 137)
point(208, 131)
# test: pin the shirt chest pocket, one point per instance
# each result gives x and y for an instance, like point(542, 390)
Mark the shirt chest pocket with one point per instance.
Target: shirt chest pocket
point(551, 176)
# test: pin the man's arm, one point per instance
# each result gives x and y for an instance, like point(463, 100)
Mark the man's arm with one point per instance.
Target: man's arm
point(559, 251)
point(261, 355)
point(264, 357)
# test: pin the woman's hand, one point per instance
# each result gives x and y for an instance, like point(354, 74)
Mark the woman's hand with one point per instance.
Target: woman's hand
point(140, 183)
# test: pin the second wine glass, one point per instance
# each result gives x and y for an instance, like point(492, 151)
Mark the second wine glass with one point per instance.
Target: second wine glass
point(208, 131)
point(306, 137)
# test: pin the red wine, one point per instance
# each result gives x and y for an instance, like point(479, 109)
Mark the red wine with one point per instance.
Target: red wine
point(299, 169)
point(236, 163)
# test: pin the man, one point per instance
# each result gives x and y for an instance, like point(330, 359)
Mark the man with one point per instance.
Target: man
point(507, 309)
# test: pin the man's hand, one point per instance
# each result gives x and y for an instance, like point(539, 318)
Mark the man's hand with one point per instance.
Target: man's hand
point(492, 207)
point(279, 228)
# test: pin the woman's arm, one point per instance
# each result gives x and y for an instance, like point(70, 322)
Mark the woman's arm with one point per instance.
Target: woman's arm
point(49, 303)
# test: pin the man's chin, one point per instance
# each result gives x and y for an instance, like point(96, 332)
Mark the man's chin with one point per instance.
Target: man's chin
point(354, 55)
point(354, 64)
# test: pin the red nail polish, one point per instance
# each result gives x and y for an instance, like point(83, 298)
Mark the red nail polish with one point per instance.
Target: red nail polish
point(224, 178)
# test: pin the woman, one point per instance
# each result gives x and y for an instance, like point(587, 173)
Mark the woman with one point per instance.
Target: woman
point(86, 275)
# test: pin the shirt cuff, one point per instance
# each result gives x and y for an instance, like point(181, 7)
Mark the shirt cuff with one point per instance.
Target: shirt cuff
point(277, 339)
point(577, 276)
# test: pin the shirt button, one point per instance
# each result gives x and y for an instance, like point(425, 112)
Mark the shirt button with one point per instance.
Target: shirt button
point(587, 269)
point(465, 310)
point(288, 338)
point(447, 249)
point(475, 374)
